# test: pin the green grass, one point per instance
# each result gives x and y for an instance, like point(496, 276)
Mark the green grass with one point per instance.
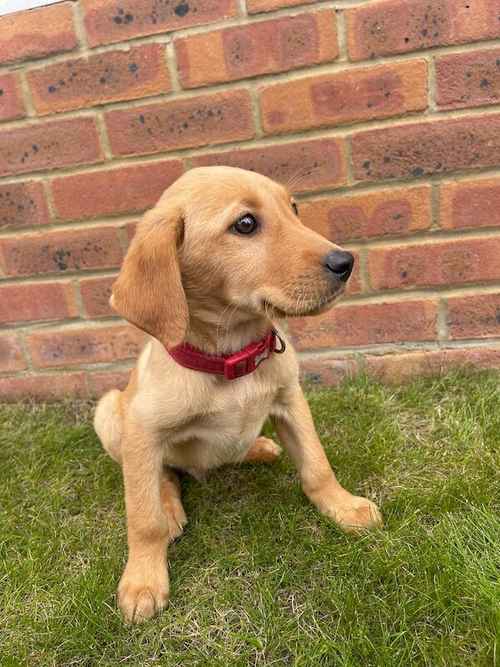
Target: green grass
point(259, 577)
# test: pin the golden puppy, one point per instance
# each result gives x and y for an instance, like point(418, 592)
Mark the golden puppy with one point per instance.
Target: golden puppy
point(220, 259)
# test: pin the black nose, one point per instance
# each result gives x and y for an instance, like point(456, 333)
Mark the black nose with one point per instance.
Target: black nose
point(340, 263)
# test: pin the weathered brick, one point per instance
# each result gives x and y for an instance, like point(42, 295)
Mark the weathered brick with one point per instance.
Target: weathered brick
point(424, 149)
point(353, 95)
point(387, 27)
point(56, 252)
point(113, 191)
point(433, 264)
point(396, 212)
point(37, 33)
point(328, 371)
point(59, 143)
point(259, 48)
point(107, 22)
point(474, 316)
point(468, 79)
point(11, 99)
point(399, 368)
point(257, 6)
point(197, 121)
point(84, 346)
point(101, 78)
point(96, 293)
point(354, 286)
point(22, 204)
point(367, 324)
point(37, 301)
point(130, 228)
point(100, 383)
point(470, 204)
point(11, 354)
point(44, 387)
point(302, 165)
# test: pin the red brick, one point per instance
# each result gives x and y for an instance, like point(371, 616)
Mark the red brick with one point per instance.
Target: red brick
point(387, 27)
point(106, 77)
point(302, 165)
point(196, 121)
point(328, 371)
point(367, 324)
point(22, 204)
point(434, 264)
point(96, 293)
point(468, 79)
point(474, 316)
point(396, 212)
point(130, 229)
point(37, 33)
point(470, 204)
point(11, 99)
point(107, 22)
point(44, 387)
point(256, 6)
point(84, 346)
point(59, 143)
point(56, 252)
point(37, 301)
point(259, 48)
point(424, 149)
point(354, 95)
point(100, 383)
point(397, 368)
point(354, 285)
point(113, 191)
point(11, 354)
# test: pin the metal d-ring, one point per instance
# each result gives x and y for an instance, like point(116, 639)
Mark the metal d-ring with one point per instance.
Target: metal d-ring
point(282, 343)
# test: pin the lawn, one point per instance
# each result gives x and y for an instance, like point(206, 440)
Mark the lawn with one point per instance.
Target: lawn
point(259, 577)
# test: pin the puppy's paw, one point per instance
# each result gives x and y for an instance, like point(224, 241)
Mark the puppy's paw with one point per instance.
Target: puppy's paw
point(176, 518)
point(263, 450)
point(351, 513)
point(356, 515)
point(142, 594)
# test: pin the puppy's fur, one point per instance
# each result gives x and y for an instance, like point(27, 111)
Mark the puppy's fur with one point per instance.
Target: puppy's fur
point(189, 277)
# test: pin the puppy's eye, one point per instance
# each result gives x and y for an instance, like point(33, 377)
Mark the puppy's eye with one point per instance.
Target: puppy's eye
point(246, 225)
point(295, 208)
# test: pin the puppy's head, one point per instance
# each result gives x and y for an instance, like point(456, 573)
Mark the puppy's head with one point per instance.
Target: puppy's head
point(223, 240)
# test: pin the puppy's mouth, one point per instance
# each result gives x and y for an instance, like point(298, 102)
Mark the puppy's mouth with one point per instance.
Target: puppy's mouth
point(302, 308)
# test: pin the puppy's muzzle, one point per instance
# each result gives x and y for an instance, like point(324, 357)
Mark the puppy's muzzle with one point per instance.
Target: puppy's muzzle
point(339, 264)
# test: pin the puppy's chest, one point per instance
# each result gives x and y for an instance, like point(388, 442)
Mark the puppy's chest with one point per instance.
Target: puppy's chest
point(229, 418)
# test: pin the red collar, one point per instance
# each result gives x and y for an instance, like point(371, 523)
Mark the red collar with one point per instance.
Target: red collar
point(231, 366)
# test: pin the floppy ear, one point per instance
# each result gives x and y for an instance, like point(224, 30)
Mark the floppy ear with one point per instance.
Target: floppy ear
point(148, 291)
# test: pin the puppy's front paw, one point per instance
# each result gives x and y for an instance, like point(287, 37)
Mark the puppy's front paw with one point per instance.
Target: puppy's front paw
point(351, 513)
point(358, 514)
point(142, 593)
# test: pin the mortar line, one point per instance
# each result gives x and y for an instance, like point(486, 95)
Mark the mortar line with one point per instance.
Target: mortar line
point(341, 35)
point(172, 66)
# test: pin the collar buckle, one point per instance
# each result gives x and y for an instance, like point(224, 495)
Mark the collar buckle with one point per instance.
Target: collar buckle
point(244, 363)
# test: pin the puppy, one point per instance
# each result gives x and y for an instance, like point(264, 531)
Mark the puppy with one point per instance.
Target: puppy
point(211, 271)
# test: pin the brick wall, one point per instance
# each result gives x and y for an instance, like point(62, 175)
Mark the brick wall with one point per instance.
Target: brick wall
point(385, 114)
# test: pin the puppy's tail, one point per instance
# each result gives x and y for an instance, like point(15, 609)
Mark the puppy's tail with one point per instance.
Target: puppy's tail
point(108, 423)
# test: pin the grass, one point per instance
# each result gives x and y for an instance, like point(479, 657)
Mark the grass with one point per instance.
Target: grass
point(259, 578)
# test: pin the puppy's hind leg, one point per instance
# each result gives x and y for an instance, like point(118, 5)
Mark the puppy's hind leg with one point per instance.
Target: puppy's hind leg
point(108, 423)
point(170, 493)
point(263, 450)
